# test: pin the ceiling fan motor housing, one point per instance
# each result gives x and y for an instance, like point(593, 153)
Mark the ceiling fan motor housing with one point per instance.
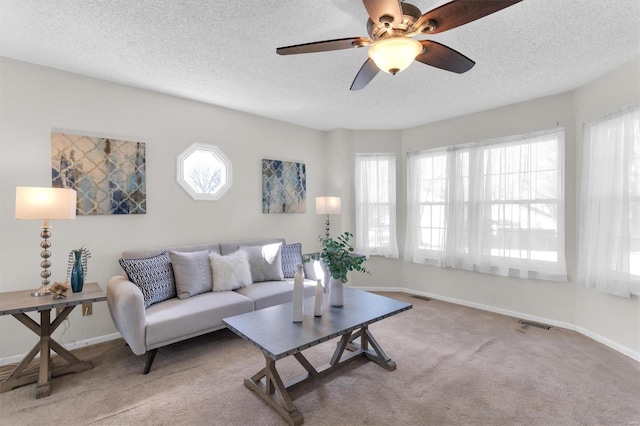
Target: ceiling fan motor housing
point(410, 14)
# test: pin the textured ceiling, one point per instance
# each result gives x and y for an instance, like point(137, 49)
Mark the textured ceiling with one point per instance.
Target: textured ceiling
point(223, 53)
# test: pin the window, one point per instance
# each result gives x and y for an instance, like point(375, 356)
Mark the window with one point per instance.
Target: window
point(495, 206)
point(204, 172)
point(376, 204)
point(609, 251)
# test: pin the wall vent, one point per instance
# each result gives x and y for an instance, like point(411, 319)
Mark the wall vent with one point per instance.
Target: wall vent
point(534, 324)
point(417, 296)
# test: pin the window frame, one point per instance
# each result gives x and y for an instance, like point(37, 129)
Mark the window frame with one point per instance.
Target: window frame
point(467, 242)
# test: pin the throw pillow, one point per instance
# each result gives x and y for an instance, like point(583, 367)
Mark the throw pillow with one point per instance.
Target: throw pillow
point(153, 275)
point(192, 272)
point(265, 262)
point(230, 272)
point(291, 256)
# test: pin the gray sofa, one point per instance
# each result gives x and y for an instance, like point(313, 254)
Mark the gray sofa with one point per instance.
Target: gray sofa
point(147, 328)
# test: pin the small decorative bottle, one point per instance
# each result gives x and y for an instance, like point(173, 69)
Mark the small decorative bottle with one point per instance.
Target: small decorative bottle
point(317, 310)
point(298, 296)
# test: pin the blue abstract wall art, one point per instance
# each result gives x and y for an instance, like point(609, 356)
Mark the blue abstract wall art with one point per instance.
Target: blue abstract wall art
point(284, 187)
point(108, 174)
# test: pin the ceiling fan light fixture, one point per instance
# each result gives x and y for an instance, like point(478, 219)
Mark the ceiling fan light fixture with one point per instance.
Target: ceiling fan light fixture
point(393, 55)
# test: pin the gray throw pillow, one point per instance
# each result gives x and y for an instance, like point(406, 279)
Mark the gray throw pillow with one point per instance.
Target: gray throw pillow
point(153, 275)
point(265, 262)
point(192, 272)
point(291, 256)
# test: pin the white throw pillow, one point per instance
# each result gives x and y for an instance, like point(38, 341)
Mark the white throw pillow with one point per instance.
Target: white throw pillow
point(230, 272)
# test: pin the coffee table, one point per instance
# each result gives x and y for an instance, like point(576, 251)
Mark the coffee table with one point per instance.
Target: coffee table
point(272, 331)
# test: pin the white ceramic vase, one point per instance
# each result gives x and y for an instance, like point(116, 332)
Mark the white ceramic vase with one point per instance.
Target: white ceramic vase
point(336, 292)
point(298, 296)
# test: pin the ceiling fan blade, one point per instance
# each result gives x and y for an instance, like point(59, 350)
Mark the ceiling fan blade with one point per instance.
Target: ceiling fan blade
point(443, 57)
point(460, 12)
point(379, 8)
point(323, 46)
point(365, 75)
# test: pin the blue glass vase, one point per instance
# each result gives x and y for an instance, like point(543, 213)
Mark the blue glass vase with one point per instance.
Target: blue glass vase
point(77, 273)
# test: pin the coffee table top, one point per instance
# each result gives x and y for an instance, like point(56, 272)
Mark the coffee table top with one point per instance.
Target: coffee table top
point(273, 332)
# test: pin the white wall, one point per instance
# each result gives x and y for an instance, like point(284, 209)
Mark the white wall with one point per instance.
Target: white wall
point(35, 100)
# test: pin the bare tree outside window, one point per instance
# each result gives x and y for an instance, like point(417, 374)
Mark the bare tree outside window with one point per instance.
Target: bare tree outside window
point(204, 172)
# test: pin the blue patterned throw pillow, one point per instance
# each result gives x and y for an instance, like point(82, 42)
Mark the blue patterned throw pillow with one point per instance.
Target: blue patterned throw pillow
point(291, 256)
point(153, 275)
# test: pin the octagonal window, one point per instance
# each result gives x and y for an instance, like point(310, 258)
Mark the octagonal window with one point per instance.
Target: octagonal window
point(204, 172)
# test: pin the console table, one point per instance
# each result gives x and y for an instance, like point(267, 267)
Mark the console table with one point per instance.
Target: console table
point(272, 331)
point(16, 303)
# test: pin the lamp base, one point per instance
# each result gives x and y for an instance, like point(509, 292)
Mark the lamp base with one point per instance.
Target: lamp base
point(44, 290)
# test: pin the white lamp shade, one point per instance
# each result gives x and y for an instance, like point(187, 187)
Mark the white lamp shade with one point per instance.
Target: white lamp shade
point(45, 203)
point(393, 55)
point(328, 205)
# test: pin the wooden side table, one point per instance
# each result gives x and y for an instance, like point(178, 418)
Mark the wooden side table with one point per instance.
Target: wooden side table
point(16, 303)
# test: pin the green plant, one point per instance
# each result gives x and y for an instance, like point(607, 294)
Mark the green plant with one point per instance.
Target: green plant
point(338, 255)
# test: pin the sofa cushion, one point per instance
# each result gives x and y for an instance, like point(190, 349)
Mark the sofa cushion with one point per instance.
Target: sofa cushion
point(265, 262)
point(153, 275)
point(230, 272)
point(228, 247)
point(192, 272)
point(291, 256)
point(175, 319)
point(271, 293)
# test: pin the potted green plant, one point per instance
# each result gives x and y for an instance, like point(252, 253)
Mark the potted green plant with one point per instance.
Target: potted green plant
point(338, 255)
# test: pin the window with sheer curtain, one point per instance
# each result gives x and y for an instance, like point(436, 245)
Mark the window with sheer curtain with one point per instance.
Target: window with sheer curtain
point(609, 251)
point(495, 206)
point(376, 204)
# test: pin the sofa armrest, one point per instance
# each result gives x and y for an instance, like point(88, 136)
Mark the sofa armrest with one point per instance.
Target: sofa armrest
point(126, 306)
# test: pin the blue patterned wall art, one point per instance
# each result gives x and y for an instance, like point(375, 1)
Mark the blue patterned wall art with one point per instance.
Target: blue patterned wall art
point(108, 174)
point(284, 187)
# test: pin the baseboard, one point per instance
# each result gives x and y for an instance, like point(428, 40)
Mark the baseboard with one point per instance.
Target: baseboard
point(635, 355)
point(14, 359)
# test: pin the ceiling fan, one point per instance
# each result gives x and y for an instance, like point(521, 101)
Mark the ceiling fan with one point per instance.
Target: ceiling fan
point(392, 26)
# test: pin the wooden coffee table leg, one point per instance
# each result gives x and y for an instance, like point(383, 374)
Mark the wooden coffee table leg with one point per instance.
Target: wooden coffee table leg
point(272, 388)
point(378, 355)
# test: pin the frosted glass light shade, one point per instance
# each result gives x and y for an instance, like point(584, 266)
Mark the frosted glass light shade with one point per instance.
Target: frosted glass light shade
point(45, 203)
point(328, 205)
point(393, 55)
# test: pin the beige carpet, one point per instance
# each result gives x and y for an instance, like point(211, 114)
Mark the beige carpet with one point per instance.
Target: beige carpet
point(456, 366)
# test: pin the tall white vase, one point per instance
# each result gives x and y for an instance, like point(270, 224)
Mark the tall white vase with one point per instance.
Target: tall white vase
point(298, 294)
point(319, 299)
point(336, 292)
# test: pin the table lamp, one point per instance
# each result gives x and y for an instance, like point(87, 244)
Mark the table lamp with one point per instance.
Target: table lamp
point(328, 205)
point(45, 204)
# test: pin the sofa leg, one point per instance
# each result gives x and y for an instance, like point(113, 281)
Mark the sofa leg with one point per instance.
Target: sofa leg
point(150, 357)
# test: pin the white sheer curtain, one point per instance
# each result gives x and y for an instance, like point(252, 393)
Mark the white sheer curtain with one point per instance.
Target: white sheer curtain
point(495, 206)
point(376, 204)
point(609, 253)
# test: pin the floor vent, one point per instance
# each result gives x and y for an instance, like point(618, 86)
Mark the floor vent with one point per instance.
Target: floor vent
point(425, 298)
point(534, 324)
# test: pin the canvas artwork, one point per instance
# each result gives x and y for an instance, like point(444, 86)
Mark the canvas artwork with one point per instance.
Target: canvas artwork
point(108, 174)
point(284, 187)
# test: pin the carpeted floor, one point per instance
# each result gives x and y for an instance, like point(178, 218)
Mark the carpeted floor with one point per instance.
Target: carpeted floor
point(456, 366)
